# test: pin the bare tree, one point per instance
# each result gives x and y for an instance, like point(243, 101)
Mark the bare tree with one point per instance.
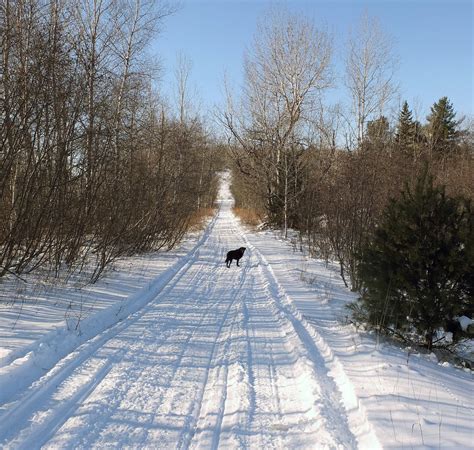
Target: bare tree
point(370, 67)
point(184, 94)
point(286, 70)
point(88, 157)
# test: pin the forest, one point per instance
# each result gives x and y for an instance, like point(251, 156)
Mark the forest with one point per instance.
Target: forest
point(93, 164)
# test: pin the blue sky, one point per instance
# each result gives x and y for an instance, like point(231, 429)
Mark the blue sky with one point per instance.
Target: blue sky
point(433, 40)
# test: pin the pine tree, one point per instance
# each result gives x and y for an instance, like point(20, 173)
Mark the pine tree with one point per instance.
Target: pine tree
point(378, 132)
point(405, 136)
point(442, 126)
point(417, 271)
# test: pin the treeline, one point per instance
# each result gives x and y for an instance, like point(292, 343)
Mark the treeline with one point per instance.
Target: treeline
point(93, 165)
point(351, 192)
point(330, 172)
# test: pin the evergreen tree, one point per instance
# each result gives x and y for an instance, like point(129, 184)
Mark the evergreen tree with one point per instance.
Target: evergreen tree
point(378, 132)
point(417, 271)
point(442, 126)
point(405, 136)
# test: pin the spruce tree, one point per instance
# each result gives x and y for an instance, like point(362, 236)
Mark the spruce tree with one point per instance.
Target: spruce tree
point(416, 273)
point(442, 126)
point(378, 131)
point(406, 129)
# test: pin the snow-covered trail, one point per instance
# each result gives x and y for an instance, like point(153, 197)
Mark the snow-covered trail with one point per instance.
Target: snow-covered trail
point(205, 357)
point(215, 359)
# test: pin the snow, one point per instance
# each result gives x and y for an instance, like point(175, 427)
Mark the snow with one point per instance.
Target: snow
point(177, 351)
point(464, 322)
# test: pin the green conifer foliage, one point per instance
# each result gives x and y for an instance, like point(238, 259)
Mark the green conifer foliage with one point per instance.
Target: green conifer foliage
point(378, 132)
point(442, 126)
point(406, 129)
point(417, 271)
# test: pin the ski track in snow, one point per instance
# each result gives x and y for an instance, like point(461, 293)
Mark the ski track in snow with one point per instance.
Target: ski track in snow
point(208, 357)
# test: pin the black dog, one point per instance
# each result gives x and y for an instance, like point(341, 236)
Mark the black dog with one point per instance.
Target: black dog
point(234, 254)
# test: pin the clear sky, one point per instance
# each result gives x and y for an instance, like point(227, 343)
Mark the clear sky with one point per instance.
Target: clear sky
point(433, 40)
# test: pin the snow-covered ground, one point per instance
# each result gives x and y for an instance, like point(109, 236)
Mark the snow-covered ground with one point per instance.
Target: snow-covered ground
point(177, 351)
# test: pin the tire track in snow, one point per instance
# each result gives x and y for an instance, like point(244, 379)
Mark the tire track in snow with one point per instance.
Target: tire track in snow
point(299, 414)
point(230, 380)
point(162, 343)
point(287, 394)
point(223, 422)
point(192, 426)
point(128, 380)
point(252, 397)
point(46, 427)
point(209, 282)
point(340, 401)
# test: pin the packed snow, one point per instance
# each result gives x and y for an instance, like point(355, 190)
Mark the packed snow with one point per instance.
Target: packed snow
point(464, 322)
point(177, 351)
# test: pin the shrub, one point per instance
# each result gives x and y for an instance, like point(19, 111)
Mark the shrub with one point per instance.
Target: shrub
point(417, 270)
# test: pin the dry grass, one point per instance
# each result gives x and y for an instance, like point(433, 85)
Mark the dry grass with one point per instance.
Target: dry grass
point(199, 218)
point(250, 217)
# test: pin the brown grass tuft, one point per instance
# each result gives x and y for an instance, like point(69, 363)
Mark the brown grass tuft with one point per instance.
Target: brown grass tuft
point(248, 216)
point(198, 218)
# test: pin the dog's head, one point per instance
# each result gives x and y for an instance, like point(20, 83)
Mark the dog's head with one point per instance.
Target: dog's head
point(242, 250)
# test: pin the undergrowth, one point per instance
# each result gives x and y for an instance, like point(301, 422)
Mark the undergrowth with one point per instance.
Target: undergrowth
point(249, 216)
point(198, 218)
